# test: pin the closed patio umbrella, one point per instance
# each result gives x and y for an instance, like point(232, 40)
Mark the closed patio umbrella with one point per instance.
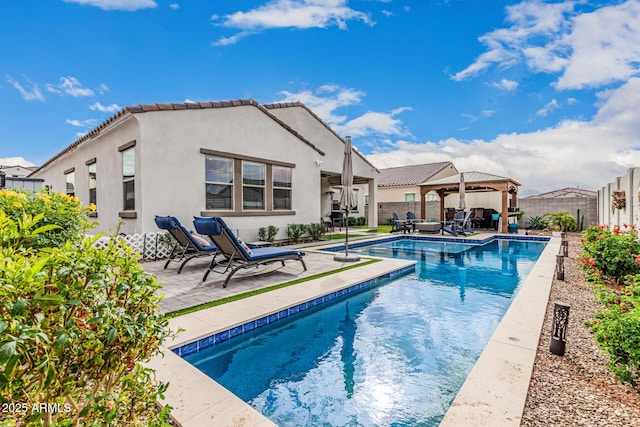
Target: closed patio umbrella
point(463, 202)
point(347, 198)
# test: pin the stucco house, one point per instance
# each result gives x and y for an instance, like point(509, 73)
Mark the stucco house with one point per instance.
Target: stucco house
point(402, 183)
point(252, 164)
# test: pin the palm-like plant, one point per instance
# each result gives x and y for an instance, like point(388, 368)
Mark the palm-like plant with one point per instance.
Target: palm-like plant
point(562, 221)
point(537, 223)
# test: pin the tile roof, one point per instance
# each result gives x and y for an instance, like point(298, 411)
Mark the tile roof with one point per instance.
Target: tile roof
point(275, 105)
point(409, 175)
point(145, 108)
point(565, 192)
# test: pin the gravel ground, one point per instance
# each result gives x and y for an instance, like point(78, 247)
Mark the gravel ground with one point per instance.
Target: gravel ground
point(576, 389)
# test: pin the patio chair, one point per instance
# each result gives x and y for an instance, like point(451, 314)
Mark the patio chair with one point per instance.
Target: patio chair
point(478, 217)
point(187, 246)
point(237, 254)
point(398, 225)
point(411, 221)
point(460, 224)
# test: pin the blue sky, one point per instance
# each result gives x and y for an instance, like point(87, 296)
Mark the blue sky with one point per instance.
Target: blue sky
point(546, 92)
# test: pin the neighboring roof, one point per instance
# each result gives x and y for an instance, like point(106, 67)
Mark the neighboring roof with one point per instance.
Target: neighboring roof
point(32, 168)
point(565, 192)
point(300, 104)
point(410, 175)
point(127, 112)
point(469, 178)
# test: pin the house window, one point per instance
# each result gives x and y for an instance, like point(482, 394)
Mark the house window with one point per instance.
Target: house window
point(281, 188)
point(409, 197)
point(92, 183)
point(128, 179)
point(253, 185)
point(219, 183)
point(70, 179)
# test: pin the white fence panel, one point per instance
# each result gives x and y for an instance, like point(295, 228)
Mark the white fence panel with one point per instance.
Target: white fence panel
point(150, 246)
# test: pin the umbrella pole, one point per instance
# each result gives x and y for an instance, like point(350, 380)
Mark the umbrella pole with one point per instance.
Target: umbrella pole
point(346, 235)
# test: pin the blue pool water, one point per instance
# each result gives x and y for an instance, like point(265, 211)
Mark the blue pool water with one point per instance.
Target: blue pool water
point(392, 355)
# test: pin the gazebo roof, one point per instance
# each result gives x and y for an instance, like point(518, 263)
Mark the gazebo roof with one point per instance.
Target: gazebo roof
point(473, 181)
point(469, 177)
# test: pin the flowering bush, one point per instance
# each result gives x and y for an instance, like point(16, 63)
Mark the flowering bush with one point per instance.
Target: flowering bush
point(613, 253)
point(66, 212)
point(75, 321)
point(616, 329)
point(607, 253)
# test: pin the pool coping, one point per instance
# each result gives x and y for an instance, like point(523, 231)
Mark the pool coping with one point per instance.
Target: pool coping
point(196, 399)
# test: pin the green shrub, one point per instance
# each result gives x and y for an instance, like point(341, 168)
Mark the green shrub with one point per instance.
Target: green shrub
point(316, 230)
point(75, 324)
point(362, 220)
point(609, 253)
point(295, 232)
point(613, 253)
point(561, 221)
point(268, 234)
point(57, 209)
point(537, 223)
point(616, 329)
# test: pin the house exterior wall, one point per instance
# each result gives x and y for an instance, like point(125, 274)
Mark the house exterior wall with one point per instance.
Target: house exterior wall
point(397, 194)
point(104, 149)
point(180, 135)
point(15, 171)
point(315, 132)
point(170, 167)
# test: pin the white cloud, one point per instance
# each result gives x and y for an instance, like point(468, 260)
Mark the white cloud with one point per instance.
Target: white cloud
point(127, 5)
point(326, 100)
point(548, 108)
point(104, 108)
point(506, 46)
point(82, 123)
point(103, 89)
point(330, 97)
point(587, 153)
point(15, 161)
point(28, 95)
point(505, 84)
point(483, 115)
point(301, 14)
point(587, 49)
point(174, 6)
point(605, 47)
point(71, 86)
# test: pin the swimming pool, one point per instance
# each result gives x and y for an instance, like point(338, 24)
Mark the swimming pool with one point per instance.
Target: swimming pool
point(392, 355)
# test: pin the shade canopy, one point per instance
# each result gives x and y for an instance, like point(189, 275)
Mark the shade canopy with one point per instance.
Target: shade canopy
point(348, 201)
point(472, 182)
point(463, 202)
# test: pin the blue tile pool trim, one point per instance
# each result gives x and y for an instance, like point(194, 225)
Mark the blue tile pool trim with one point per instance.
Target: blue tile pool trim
point(252, 325)
point(519, 237)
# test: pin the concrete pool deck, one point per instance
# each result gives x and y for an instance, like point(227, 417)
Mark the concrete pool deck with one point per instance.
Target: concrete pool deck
point(493, 394)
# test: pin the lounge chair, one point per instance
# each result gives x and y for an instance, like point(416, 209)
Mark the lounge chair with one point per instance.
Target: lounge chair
point(187, 246)
point(398, 225)
point(238, 255)
point(411, 221)
point(460, 224)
